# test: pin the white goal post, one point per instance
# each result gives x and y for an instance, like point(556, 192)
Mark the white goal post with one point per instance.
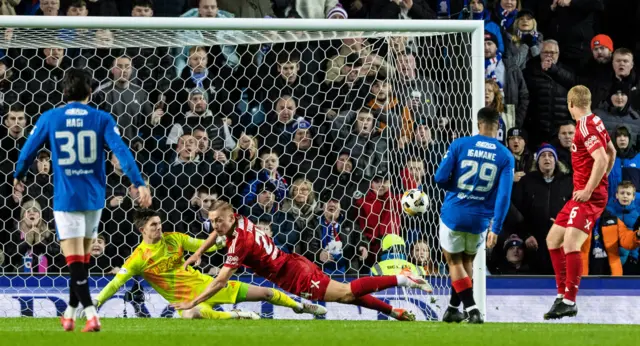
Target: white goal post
point(34, 32)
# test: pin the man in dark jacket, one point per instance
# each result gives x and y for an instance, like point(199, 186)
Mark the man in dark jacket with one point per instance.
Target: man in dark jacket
point(548, 106)
point(539, 196)
point(563, 141)
point(517, 144)
point(573, 24)
point(617, 110)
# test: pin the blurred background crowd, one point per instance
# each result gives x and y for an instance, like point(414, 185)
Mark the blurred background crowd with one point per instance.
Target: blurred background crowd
point(315, 141)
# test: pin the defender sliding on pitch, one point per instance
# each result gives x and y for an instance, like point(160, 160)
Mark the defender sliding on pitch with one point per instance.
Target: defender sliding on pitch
point(159, 259)
point(592, 155)
point(249, 246)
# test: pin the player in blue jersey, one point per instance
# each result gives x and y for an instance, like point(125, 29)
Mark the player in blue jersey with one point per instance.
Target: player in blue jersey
point(477, 173)
point(77, 135)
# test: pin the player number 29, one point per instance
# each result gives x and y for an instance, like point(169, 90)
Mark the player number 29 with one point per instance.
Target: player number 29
point(75, 147)
point(485, 172)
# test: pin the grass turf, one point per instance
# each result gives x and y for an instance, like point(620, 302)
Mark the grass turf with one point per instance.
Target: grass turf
point(176, 332)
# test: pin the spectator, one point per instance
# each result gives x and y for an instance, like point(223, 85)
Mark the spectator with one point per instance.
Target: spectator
point(339, 178)
point(377, 216)
point(332, 241)
point(526, 40)
point(625, 73)
point(264, 206)
point(493, 98)
point(217, 126)
point(301, 157)
point(539, 196)
point(269, 165)
point(101, 262)
point(153, 66)
point(77, 8)
point(295, 216)
point(33, 246)
point(421, 256)
point(313, 9)
point(241, 159)
point(8, 85)
point(617, 110)
point(43, 92)
point(625, 167)
point(508, 77)
point(195, 220)
point(517, 144)
point(49, 8)
point(505, 14)
point(12, 134)
point(344, 88)
point(247, 8)
point(514, 261)
point(479, 11)
point(7, 8)
point(623, 207)
point(562, 143)
point(40, 186)
point(366, 145)
point(393, 258)
point(281, 124)
point(573, 25)
point(396, 9)
point(125, 100)
point(548, 106)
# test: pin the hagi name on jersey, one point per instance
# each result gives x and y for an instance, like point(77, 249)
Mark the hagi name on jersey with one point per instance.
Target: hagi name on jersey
point(74, 122)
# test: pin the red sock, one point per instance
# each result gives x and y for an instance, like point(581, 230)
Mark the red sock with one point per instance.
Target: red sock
point(559, 267)
point(74, 258)
point(373, 303)
point(574, 272)
point(87, 258)
point(370, 284)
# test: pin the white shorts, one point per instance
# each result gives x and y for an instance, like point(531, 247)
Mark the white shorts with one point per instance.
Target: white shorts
point(77, 224)
point(456, 242)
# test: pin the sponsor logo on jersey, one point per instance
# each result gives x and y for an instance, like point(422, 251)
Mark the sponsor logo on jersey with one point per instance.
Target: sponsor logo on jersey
point(590, 142)
point(573, 147)
point(486, 145)
point(76, 111)
point(71, 172)
point(115, 129)
point(232, 260)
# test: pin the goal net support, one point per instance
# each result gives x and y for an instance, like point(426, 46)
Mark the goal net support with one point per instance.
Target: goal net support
point(312, 128)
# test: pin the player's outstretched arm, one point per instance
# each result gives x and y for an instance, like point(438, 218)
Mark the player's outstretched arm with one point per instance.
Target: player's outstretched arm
point(611, 154)
point(443, 174)
point(193, 244)
point(194, 259)
point(214, 287)
point(125, 273)
point(127, 162)
point(37, 137)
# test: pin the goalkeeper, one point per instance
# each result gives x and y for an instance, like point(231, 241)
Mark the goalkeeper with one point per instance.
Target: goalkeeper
point(159, 259)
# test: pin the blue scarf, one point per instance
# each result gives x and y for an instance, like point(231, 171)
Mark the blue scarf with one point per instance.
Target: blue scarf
point(329, 231)
point(506, 20)
point(198, 78)
point(490, 66)
point(502, 131)
point(533, 34)
point(484, 15)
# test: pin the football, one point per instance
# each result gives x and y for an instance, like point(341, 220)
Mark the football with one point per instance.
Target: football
point(414, 202)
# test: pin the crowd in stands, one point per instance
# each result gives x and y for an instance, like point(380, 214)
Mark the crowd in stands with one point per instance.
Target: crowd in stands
point(315, 141)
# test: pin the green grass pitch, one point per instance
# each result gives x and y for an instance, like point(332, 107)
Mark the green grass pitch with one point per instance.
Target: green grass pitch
point(176, 332)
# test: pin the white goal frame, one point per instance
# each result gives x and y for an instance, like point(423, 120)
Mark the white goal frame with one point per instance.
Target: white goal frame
point(379, 27)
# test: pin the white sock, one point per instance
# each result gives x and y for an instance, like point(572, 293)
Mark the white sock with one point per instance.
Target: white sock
point(559, 295)
point(70, 312)
point(402, 280)
point(472, 307)
point(234, 315)
point(90, 312)
point(568, 302)
point(300, 306)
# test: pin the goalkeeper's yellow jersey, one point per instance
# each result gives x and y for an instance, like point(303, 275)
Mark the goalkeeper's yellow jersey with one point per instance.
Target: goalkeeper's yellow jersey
point(161, 265)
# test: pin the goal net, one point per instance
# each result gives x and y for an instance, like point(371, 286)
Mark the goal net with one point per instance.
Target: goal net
point(313, 130)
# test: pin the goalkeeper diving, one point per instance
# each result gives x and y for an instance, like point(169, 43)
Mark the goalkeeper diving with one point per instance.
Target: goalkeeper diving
point(159, 260)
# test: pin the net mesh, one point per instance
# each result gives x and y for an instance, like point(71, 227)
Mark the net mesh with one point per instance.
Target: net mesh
point(312, 135)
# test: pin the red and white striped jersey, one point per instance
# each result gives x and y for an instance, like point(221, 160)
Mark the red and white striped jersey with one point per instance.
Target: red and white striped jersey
point(590, 135)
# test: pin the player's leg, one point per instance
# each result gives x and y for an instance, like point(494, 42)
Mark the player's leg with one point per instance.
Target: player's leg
point(342, 293)
point(91, 222)
point(453, 244)
point(206, 312)
point(253, 293)
point(554, 240)
point(573, 240)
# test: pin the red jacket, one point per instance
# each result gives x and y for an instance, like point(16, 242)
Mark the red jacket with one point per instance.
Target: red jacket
point(378, 216)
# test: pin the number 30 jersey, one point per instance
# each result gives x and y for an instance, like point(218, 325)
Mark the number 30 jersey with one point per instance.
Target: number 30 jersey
point(251, 247)
point(77, 135)
point(477, 173)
